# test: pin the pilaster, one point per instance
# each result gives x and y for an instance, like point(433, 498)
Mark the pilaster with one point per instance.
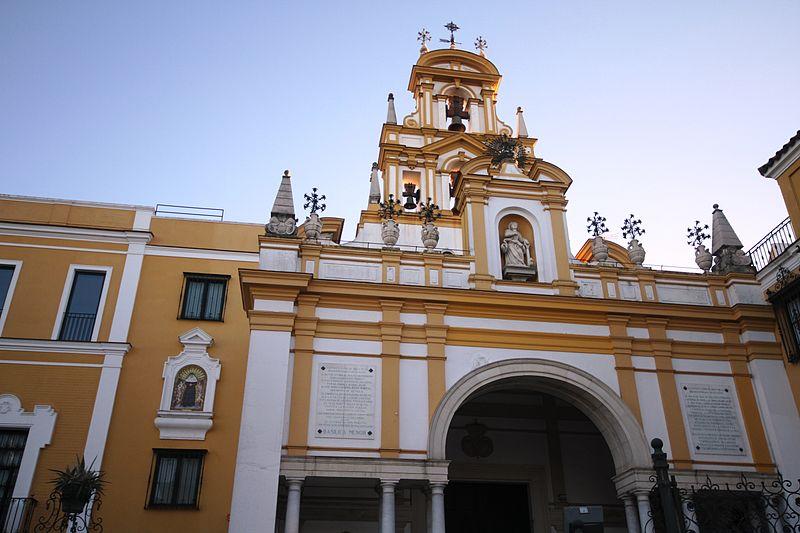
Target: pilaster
point(743, 381)
point(555, 204)
point(391, 330)
point(673, 414)
point(305, 326)
point(623, 349)
point(436, 338)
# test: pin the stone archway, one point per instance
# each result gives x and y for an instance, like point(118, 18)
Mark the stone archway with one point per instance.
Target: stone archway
point(598, 401)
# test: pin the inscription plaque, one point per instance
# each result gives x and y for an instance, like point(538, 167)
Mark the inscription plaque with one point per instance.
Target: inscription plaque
point(713, 419)
point(346, 401)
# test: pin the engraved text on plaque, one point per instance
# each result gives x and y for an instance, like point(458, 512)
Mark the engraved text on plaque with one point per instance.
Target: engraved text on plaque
point(345, 401)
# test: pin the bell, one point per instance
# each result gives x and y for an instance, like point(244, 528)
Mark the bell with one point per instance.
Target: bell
point(411, 195)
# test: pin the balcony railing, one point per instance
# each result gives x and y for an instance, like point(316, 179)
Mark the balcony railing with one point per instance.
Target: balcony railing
point(77, 327)
point(773, 244)
point(16, 514)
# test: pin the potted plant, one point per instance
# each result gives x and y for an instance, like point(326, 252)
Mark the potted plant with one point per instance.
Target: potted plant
point(596, 228)
point(428, 212)
point(313, 225)
point(696, 236)
point(632, 227)
point(77, 484)
point(390, 231)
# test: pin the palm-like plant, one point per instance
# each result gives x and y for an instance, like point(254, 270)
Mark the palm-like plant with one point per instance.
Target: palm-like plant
point(77, 483)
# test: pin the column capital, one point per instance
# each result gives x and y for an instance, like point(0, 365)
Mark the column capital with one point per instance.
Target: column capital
point(295, 482)
point(389, 483)
point(437, 487)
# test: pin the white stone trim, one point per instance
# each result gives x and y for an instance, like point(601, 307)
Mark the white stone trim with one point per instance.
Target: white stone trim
point(40, 424)
point(56, 346)
point(70, 248)
point(65, 293)
point(97, 434)
point(201, 253)
point(44, 231)
point(10, 294)
point(188, 425)
point(526, 325)
point(126, 297)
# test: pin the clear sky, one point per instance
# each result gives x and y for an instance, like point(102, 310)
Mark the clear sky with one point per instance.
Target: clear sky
point(655, 108)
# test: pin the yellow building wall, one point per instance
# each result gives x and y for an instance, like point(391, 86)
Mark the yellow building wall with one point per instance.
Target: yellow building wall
point(789, 183)
point(70, 391)
point(34, 305)
point(154, 335)
point(64, 213)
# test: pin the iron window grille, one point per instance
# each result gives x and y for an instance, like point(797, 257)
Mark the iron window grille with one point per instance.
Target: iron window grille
point(12, 446)
point(204, 297)
point(786, 303)
point(175, 478)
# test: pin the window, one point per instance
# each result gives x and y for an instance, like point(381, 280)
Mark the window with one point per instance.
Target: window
point(176, 478)
point(786, 303)
point(6, 274)
point(12, 446)
point(203, 297)
point(81, 312)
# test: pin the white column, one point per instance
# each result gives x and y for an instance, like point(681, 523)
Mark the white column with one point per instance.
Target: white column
point(258, 458)
point(643, 502)
point(631, 514)
point(387, 506)
point(292, 524)
point(437, 507)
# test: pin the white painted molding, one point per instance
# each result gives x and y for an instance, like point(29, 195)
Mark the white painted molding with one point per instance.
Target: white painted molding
point(56, 346)
point(10, 294)
point(65, 293)
point(40, 424)
point(183, 424)
point(75, 234)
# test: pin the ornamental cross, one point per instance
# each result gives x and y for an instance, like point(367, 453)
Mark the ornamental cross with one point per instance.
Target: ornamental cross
point(452, 28)
point(390, 208)
point(315, 201)
point(697, 234)
point(597, 225)
point(632, 227)
point(429, 211)
point(480, 44)
point(423, 37)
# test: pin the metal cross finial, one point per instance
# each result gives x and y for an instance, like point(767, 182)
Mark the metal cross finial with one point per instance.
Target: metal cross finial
point(480, 44)
point(452, 28)
point(314, 200)
point(423, 37)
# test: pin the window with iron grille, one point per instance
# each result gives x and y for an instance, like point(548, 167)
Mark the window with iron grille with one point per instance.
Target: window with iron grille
point(12, 446)
point(176, 478)
point(786, 304)
point(203, 297)
point(84, 300)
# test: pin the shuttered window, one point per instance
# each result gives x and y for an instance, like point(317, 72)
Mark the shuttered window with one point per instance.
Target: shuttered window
point(12, 446)
point(203, 297)
point(176, 478)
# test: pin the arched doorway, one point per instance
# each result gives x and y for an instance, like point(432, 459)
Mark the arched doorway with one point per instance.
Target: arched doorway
point(528, 438)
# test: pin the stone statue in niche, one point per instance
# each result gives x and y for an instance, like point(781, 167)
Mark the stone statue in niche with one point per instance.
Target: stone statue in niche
point(518, 263)
point(189, 392)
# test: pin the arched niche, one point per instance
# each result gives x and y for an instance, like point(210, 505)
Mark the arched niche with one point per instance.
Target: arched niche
point(539, 240)
point(525, 229)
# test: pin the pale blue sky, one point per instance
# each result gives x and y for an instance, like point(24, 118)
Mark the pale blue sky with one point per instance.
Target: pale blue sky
point(660, 109)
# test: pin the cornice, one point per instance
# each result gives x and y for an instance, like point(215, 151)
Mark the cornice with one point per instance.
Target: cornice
point(69, 347)
point(75, 233)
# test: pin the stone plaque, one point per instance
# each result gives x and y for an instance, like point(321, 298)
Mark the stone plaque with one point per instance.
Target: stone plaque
point(346, 401)
point(713, 419)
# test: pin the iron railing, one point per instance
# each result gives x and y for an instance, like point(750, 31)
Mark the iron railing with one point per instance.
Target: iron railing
point(77, 327)
point(773, 244)
point(16, 514)
point(745, 506)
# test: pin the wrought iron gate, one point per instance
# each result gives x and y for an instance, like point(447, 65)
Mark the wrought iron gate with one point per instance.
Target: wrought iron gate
point(746, 506)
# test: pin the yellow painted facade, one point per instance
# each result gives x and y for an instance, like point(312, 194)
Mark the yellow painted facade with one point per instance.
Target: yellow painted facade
point(429, 321)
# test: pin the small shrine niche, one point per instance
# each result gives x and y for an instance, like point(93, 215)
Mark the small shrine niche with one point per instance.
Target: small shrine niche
point(188, 392)
point(187, 397)
point(517, 250)
point(411, 190)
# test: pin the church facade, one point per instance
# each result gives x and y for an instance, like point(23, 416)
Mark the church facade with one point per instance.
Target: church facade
point(455, 367)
